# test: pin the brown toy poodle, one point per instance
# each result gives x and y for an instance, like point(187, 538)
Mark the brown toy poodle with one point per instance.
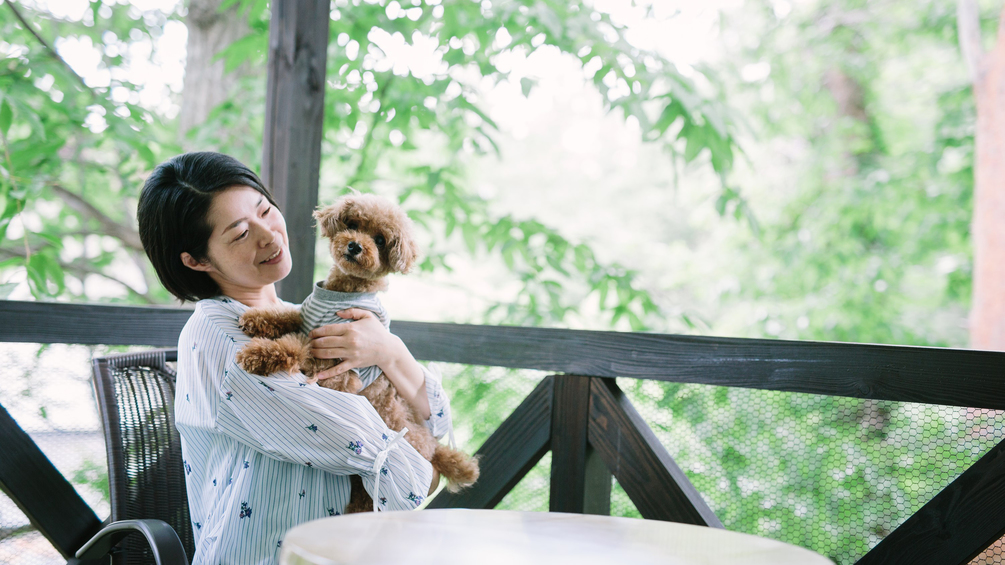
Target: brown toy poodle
point(369, 239)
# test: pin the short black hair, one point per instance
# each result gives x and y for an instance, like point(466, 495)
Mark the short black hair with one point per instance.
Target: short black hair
point(172, 212)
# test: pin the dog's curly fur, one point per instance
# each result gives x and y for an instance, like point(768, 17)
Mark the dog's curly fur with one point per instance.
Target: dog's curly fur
point(369, 239)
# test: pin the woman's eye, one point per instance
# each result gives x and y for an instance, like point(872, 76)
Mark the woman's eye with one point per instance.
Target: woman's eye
point(267, 210)
point(242, 236)
point(379, 240)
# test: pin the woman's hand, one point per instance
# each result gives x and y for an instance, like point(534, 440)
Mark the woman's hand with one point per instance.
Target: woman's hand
point(365, 342)
point(361, 343)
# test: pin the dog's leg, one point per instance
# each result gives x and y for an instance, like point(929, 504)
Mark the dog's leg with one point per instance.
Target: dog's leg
point(385, 400)
point(460, 469)
point(346, 382)
point(270, 321)
point(265, 356)
point(359, 499)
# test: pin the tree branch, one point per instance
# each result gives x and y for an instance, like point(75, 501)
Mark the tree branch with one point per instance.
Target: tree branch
point(52, 52)
point(80, 269)
point(968, 22)
point(364, 151)
point(127, 235)
point(10, 532)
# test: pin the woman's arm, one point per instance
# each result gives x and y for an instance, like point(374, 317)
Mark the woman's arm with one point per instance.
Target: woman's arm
point(290, 420)
point(365, 342)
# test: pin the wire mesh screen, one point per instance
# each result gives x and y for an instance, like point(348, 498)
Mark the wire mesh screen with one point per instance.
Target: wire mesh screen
point(47, 390)
point(481, 398)
point(831, 474)
point(835, 475)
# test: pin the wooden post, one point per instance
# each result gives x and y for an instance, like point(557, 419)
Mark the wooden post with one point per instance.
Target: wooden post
point(580, 480)
point(41, 492)
point(509, 453)
point(294, 115)
point(654, 482)
point(955, 526)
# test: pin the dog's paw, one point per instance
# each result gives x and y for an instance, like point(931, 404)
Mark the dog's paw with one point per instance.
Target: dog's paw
point(460, 469)
point(270, 322)
point(264, 356)
point(346, 382)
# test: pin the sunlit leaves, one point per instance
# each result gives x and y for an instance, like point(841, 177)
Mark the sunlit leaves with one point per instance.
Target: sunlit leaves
point(58, 130)
point(399, 86)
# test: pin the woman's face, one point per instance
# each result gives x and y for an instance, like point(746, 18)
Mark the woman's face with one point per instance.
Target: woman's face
point(248, 248)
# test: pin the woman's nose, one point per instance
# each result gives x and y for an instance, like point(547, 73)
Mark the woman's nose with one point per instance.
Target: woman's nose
point(266, 236)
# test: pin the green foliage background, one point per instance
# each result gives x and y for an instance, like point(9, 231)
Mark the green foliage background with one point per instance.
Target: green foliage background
point(853, 224)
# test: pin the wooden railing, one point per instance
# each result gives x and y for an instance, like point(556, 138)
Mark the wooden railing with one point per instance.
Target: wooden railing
point(593, 431)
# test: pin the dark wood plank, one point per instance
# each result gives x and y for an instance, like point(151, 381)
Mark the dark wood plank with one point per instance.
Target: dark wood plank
point(41, 492)
point(598, 484)
point(956, 525)
point(576, 486)
point(294, 118)
point(654, 482)
point(58, 322)
point(509, 453)
point(882, 372)
point(930, 375)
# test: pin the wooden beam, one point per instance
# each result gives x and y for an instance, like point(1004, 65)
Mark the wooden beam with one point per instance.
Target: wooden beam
point(580, 481)
point(41, 492)
point(294, 119)
point(955, 526)
point(654, 482)
point(91, 324)
point(509, 453)
point(929, 375)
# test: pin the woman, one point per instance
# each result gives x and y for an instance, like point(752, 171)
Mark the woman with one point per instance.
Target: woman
point(263, 454)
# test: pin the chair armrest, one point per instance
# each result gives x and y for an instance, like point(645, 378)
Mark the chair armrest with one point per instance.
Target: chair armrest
point(164, 542)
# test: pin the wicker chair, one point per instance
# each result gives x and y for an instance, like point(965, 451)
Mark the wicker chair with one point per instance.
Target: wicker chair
point(135, 394)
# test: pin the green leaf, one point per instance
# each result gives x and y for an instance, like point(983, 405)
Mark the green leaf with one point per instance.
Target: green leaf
point(696, 141)
point(471, 238)
point(6, 288)
point(6, 116)
point(11, 262)
point(526, 84)
point(464, 103)
point(36, 276)
point(636, 322)
point(670, 113)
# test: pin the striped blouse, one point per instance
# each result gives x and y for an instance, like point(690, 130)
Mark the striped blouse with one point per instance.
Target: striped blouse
point(263, 454)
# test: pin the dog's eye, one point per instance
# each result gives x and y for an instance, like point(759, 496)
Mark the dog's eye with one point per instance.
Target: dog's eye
point(351, 225)
point(379, 240)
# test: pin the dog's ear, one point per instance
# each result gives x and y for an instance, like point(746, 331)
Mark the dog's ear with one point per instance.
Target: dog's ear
point(329, 218)
point(403, 251)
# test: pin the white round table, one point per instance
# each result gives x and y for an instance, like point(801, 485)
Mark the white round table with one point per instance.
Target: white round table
point(490, 537)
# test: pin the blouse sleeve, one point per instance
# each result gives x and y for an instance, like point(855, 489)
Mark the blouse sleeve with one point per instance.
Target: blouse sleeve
point(291, 420)
point(440, 422)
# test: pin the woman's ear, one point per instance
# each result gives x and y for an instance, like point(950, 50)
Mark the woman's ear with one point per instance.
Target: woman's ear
point(192, 263)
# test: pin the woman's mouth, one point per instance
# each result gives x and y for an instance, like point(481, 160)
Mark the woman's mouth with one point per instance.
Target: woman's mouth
point(274, 258)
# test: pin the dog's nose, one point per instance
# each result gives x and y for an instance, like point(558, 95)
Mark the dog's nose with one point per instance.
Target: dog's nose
point(355, 248)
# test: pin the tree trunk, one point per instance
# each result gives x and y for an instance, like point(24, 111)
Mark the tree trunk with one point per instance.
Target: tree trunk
point(987, 317)
point(206, 85)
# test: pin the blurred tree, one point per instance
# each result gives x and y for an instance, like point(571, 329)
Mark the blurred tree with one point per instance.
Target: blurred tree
point(861, 174)
point(403, 116)
point(987, 72)
point(211, 29)
point(868, 237)
point(73, 152)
